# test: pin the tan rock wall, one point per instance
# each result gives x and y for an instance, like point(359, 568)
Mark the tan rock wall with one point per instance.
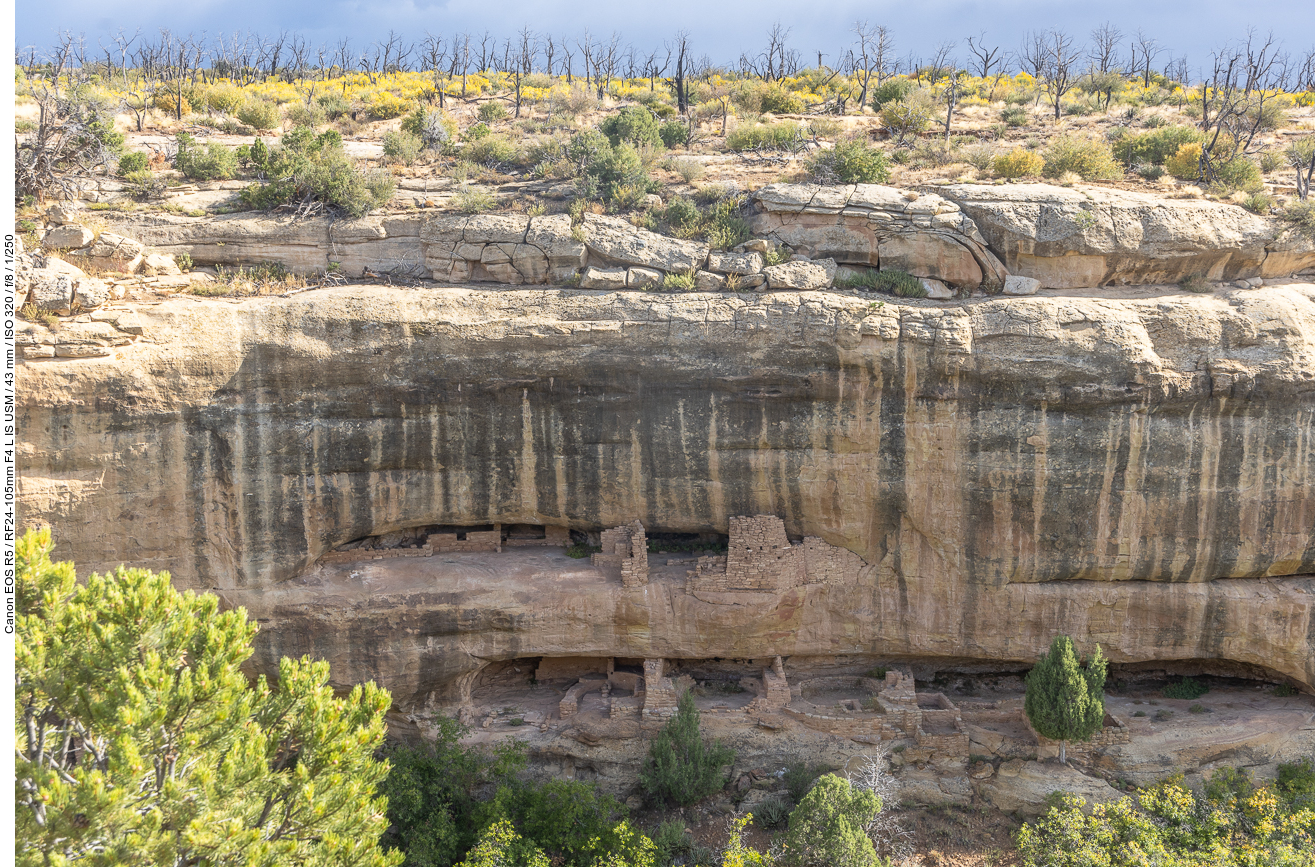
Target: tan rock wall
point(1138, 473)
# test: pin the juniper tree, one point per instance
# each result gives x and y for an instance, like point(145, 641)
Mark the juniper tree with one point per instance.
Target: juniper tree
point(681, 766)
point(140, 741)
point(1065, 701)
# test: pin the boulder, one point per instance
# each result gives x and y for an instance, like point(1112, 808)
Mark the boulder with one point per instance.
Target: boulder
point(937, 290)
point(68, 237)
point(603, 278)
point(816, 274)
point(615, 239)
point(63, 213)
point(51, 290)
point(643, 278)
point(1022, 787)
point(735, 263)
point(706, 281)
point(928, 254)
point(552, 235)
point(90, 293)
point(160, 265)
point(1090, 236)
point(1016, 284)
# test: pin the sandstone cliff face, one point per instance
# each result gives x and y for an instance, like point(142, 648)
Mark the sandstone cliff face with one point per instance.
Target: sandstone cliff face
point(1141, 473)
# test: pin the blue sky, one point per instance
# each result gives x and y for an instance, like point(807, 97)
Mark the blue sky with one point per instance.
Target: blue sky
point(721, 30)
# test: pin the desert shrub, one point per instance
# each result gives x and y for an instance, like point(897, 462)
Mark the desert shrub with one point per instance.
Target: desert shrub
point(1296, 783)
point(386, 105)
point(689, 170)
point(907, 118)
point(302, 114)
point(1018, 163)
point(890, 280)
point(825, 127)
point(168, 101)
point(224, 98)
point(335, 105)
point(492, 111)
point(675, 282)
point(681, 766)
point(401, 147)
point(310, 168)
point(1258, 203)
point(1270, 161)
point(476, 131)
point(772, 812)
point(891, 90)
point(1015, 116)
point(851, 161)
point(133, 161)
point(431, 127)
point(492, 151)
point(259, 114)
point(1270, 116)
point(143, 184)
point(633, 124)
point(980, 157)
point(209, 162)
point(674, 133)
point(799, 777)
point(1301, 215)
point(673, 842)
point(1091, 159)
point(1155, 146)
point(615, 174)
point(829, 827)
point(1201, 286)
point(765, 136)
point(569, 820)
point(1187, 688)
point(1239, 173)
point(572, 100)
point(682, 215)
point(726, 228)
point(777, 100)
point(1185, 164)
point(1233, 823)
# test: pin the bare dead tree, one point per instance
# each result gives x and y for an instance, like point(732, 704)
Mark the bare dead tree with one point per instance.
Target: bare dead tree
point(1246, 79)
point(680, 47)
point(986, 57)
point(1054, 57)
point(1104, 50)
point(1104, 75)
point(433, 54)
point(487, 49)
point(1304, 74)
point(885, 830)
point(549, 50)
point(874, 47)
point(1144, 51)
point(653, 70)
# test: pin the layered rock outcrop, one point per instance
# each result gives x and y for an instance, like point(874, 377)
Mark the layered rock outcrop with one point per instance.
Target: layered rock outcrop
point(1139, 473)
point(1070, 237)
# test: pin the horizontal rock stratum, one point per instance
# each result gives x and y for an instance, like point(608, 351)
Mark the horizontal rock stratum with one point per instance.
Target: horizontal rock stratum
point(1135, 472)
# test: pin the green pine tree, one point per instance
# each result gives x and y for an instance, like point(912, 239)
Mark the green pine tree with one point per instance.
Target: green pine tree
point(681, 766)
point(1065, 701)
point(140, 741)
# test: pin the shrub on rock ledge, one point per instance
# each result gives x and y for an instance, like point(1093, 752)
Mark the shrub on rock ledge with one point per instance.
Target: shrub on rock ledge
point(1091, 159)
point(310, 170)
